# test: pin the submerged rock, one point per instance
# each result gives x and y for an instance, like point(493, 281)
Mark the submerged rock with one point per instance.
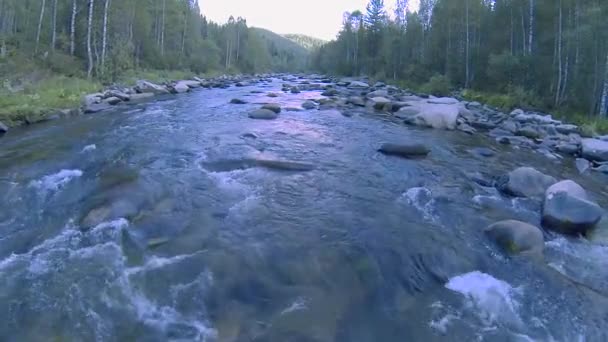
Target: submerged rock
point(309, 105)
point(275, 107)
point(567, 209)
point(525, 182)
point(238, 101)
point(582, 165)
point(405, 150)
point(263, 114)
point(516, 237)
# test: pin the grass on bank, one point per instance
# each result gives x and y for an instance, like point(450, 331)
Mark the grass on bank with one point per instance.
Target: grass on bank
point(31, 90)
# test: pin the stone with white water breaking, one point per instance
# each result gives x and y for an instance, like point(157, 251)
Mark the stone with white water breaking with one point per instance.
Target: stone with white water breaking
point(516, 237)
point(567, 209)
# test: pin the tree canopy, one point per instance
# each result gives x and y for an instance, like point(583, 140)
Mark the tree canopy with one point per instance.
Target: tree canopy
point(550, 53)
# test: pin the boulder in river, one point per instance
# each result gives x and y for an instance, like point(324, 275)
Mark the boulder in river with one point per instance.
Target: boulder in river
point(275, 107)
point(141, 97)
point(356, 100)
point(568, 210)
point(379, 103)
point(407, 150)
point(330, 92)
point(309, 105)
point(96, 108)
point(3, 128)
point(516, 237)
point(439, 116)
point(119, 94)
point(91, 99)
point(149, 87)
point(567, 148)
point(378, 93)
point(263, 114)
point(595, 149)
point(358, 85)
point(525, 182)
point(112, 100)
point(295, 90)
point(238, 101)
point(180, 88)
point(582, 165)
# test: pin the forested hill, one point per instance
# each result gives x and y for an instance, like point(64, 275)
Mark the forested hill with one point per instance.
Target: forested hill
point(286, 55)
point(308, 42)
point(543, 53)
point(103, 39)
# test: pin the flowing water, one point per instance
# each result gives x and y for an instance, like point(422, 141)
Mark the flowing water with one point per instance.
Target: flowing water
point(142, 225)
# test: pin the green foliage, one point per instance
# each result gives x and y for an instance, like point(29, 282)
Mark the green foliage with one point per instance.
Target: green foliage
point(438, 85)
point(38, 99)
point(548, 57)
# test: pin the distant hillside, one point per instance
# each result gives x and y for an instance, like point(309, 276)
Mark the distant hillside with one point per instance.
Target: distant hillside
point(286, 54)
point(309, 43)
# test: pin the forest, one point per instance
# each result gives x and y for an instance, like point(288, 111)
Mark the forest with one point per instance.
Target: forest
point(545, 54)
point(104, 38)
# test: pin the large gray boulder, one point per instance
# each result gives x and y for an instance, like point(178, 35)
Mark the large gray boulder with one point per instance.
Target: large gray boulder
point(525, 182)
point(595, 149)
point(568, 210)
point(438, 116)
point(180, 87)
point(516, 237)
point(263, 114)
point(3, 128)
point(91, 99)
point(112, 100)
point(149, 87)
point(407, 150)
point(191, 84)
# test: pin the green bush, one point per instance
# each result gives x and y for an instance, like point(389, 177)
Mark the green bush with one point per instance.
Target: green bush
point(438, 85)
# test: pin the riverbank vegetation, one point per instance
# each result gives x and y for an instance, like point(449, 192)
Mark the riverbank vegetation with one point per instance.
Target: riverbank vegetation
point(54, 51)
point(545, 54)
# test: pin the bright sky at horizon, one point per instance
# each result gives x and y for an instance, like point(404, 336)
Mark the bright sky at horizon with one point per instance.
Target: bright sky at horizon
point(316, 18)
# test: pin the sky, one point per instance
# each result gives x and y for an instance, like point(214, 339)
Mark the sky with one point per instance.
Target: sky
point(316, 18)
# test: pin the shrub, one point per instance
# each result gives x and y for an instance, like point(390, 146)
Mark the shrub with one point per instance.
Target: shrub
point(438, 85)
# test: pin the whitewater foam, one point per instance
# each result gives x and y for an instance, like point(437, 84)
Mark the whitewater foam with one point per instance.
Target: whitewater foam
point(492, 299)
point(89, 148)
point(55, 182)
point(422, 199)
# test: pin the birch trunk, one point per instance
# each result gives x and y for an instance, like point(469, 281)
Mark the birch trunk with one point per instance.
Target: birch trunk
point(54, 29)
point(104, 39)
point(531, 28)
point(604, 99)
point(73, 28)
point(89, 32)
point(467, 47)
point(40, 25)
point(559, 56)
point(162, 30)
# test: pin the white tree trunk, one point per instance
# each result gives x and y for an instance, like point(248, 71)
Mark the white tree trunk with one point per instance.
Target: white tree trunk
point(467, 48)
point(73, 28)
point(104, 39)
point(89, 32)
point(162, 32)
point(40, 24)
point(531, 28)
point(54, 29)
point(559, 56)
point(604, 99)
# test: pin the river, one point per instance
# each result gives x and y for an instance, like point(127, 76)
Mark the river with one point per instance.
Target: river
point(140, 225)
